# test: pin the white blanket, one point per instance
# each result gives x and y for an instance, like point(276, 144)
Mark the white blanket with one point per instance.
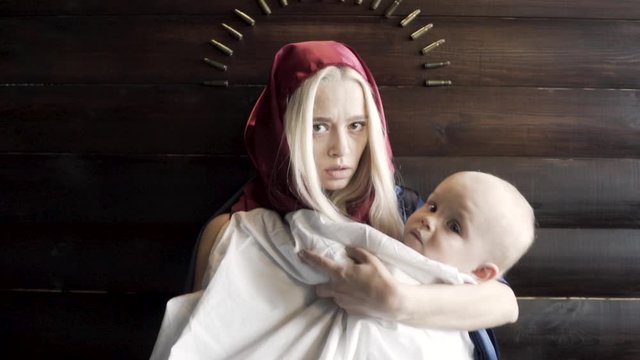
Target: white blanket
point(258, 302)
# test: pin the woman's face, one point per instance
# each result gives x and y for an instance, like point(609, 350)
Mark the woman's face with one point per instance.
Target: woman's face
point(339, 132)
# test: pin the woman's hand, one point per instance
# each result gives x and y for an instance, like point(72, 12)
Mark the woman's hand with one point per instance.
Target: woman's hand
point(363, 288)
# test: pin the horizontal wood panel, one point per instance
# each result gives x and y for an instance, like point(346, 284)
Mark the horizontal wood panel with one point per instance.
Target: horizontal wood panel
point(563, 192)
point(188, 189)
point(169, 49)
point(572, 330)
point(79, 326)
point(97, 257)
point(192, 119)
point(591, 9)
point(580, 263)
point(155, 258)
point(187, 119)
point(116, 326)
point(76, 189)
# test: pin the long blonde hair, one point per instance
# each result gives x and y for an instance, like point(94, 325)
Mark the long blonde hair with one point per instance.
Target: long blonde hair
point(374, 170)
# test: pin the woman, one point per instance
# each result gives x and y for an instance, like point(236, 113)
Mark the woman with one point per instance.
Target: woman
point(317, 137)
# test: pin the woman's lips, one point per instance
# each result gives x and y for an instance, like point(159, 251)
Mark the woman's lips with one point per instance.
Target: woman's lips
point(339, 172)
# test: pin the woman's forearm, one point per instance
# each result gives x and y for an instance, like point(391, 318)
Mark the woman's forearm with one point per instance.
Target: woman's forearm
point(456, 307)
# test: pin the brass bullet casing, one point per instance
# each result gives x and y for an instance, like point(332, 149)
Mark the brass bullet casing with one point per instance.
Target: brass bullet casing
point(423, 30)
point(235, 33)
point(220, 83)
point(222, 48)
point(215, 64)
point(409, 18)
point(284, 3)
point(432, 46)
point(435, 65)
point(265, 8)
point(358, 2)
point(375, 4)
point(432, 83)
point(392, 8)
point(246, 18)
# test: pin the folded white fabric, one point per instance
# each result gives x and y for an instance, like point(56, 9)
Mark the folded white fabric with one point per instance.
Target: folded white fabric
point(259, 302)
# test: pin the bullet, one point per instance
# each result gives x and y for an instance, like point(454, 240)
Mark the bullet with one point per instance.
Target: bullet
point(265, 8)
point(284, 3)
point(222, 48)
point(358, 2)
point(221, 83)
point(432, 83)
point(432, 46)
point(392, 8)
point(215, 64)
point(416, 34)
point(235, 33)
point(246, 18)
point(435, 65)
point(409, 18)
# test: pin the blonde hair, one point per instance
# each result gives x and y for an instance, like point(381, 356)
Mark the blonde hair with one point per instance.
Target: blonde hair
point(374, 170)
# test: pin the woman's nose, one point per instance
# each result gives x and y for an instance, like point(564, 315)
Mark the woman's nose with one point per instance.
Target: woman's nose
point(339, 143)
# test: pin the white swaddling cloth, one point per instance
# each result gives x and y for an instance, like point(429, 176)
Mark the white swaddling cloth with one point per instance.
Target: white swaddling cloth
point(259, 302)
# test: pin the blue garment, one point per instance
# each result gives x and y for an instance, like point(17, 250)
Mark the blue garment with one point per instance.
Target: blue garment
point(484, 341)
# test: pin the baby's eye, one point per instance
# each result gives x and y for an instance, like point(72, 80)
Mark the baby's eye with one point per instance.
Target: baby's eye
point(357, 125)
point(432, 207)
point(320, 128)
point(455, 227)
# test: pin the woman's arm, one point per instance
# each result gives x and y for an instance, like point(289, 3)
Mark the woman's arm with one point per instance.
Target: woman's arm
point(208, 238)
point(367, 288)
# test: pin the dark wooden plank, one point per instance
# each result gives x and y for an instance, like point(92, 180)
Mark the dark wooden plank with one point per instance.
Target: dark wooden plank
point(105, 189)
point(590, 9)
point(96, 257)
point(564, 193)
point(513, 122)
point(79, 326)
point(169, 49)
point(573, 330)
point(191, 119)
point(187, 119)
point(580, 263)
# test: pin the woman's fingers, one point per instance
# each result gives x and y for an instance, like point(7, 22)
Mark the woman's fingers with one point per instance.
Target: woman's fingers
point(320, 262)
point(359, 255)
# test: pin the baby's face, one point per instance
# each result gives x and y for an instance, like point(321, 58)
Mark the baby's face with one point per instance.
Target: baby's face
point(459, 222)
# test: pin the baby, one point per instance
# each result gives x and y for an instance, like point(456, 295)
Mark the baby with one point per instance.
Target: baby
point(475, 222)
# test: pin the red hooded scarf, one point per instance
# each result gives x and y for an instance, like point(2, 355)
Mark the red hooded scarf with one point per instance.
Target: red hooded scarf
point(264, 134)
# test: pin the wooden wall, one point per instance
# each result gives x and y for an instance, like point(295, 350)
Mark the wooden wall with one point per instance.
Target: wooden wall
point(112, 153)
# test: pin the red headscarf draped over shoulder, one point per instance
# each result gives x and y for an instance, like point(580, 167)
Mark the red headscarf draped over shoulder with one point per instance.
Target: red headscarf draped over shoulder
point(264, 134)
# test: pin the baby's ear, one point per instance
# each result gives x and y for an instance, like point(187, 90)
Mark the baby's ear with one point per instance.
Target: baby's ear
point(486, 271)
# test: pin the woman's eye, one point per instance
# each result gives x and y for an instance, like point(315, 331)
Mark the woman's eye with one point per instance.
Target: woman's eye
point(359, 125)
point(432, 207)
point(455, 227)
point(320, 128)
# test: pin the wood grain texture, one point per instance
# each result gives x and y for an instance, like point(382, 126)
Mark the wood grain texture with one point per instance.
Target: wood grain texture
point(588, 9)
point(192, 119)
point(580, 263)
point(121, 258)
point(169, 49)
point(110, 189)
point(79, 326)
point(572, 330)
